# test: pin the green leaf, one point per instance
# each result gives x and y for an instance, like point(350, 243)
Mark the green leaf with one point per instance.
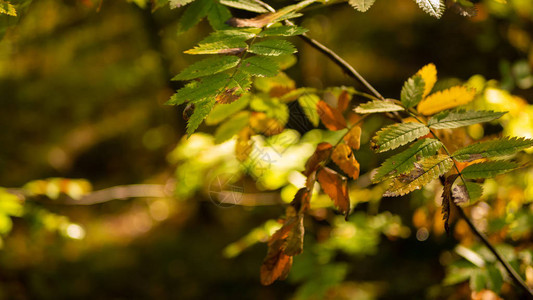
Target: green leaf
point(201, 110)
point(404, 162)
point(308, 104)
point(231, 127)
point(502, 147)
point(194, 14)
point(208, 66)
point(488, 169)
point(222, 111)
point(272, 107)
point(240, 81)
point(466, 193)
point(283, 31)
point(218, 15)
point(248, 5)
point(433, 7)
point(229, 46)
point(208, 87)
point(260, 66)
point(236, 35)
point(460, 118)
point(478, 280)
point(7, 9)
point(377, 106)
point(272, 48)
point(412, 91)
point(426, 170)
point(361, 5)
point(393, 136)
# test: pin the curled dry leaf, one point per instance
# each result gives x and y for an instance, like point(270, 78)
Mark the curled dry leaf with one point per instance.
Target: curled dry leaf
point(343, 101)
point(353, 137)
point(336, 187)
point(343, 157)
point(447, 199)
point(244, 145)
point(331, 117)
point(322, 153)
point(276, 264)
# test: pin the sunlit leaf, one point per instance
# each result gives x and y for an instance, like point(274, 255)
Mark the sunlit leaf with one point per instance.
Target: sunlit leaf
point(396, 135)
point(361, 5)
point(433, 7)
point(353, 137)
point(378, 106)
point(494, 148)
point(460, 118)
point(7, 8)
point(488, 169)
point(343, 157)
point(330, 116)
point(335, 186)
point(405, 161)
point(429, 75)
point(308, 103)
point(261, 123)
point(412, 91)
point(208, 87)
point(244, 145)
point(449, 98)
point(426, 170)
point(248, 5)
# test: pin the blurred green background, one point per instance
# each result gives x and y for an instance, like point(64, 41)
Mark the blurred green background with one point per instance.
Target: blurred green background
point(82, 91)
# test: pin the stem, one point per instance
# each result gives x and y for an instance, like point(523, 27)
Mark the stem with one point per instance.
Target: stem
point(516, 277)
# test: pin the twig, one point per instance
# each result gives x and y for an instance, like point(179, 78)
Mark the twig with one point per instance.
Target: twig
point(516, 277)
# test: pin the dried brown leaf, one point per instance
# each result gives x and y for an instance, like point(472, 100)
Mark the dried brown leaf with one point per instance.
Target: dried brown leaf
point(322, 153)
point(353, 137)
point(344, 101)
point(447, 200)
point(258, 22)
point(336, 187)
point(228, 96)
point(343, 157)
point(331, 117)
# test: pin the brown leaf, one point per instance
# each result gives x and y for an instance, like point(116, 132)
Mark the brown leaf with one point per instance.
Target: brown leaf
point(353, 137)
point(258, 22)
point(261, 123)
point(244, 145)
point(447, 200)
point(331, 117)
point(188, 111)
point(335, 186)
point(228, 96)
point(344, 101)
point(322, 153)
point(343, 157)
point(276, 264)
point(295, 239)
point(301, 200)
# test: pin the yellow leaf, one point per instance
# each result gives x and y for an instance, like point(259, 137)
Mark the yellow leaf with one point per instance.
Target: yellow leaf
point(353, 138)
point(449, 98)
point(343, 157)
point(429, 74)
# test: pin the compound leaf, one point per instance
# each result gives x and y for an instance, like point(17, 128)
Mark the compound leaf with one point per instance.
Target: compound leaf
point(434, 8)
point(272, 48)
point(208, 66)
point(412, 91)
point(361, 5)
point(260, 66)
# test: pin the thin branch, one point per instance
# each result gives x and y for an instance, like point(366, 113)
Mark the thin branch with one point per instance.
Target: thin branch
point(516, 277)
